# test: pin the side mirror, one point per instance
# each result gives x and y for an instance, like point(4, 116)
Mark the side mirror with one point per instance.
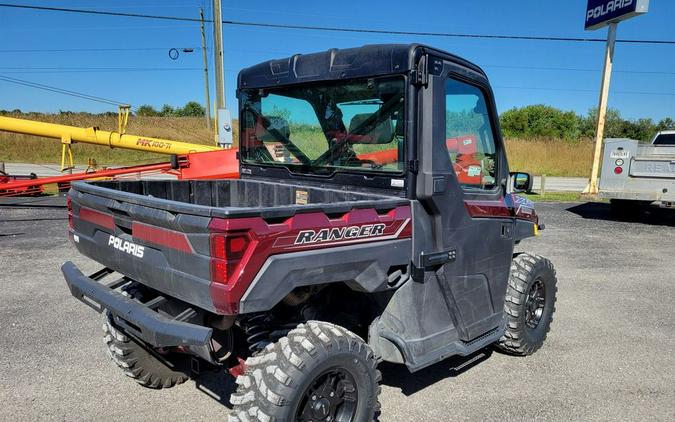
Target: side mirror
point(521, 182)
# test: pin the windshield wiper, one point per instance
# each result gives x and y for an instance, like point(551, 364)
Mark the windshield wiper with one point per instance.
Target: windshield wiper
point(290, 146)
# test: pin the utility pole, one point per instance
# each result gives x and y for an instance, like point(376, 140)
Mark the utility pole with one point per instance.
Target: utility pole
point(592, 187)
point(218, 50)
point(223, 117)
point(207, 108)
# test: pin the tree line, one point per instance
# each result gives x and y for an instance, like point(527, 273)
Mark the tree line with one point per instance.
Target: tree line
point(190, 109)
point(542, 121)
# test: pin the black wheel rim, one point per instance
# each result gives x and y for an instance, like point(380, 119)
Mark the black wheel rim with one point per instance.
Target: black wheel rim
point(534, 305)
point(331, 397)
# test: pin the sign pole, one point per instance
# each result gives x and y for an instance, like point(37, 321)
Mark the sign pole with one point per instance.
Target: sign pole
point(592, 187)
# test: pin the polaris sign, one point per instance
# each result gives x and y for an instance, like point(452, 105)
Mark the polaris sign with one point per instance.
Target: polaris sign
point(602, 12)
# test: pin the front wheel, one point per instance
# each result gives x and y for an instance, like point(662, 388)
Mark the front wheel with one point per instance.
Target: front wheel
point(318, 372)
point(529, 304)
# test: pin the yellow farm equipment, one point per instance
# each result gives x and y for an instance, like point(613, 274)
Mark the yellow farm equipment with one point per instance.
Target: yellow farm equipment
point(93, 135)
point(190, 161)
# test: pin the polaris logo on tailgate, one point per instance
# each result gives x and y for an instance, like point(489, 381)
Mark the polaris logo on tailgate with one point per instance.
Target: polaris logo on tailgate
point(126, 246)
point(339, 233)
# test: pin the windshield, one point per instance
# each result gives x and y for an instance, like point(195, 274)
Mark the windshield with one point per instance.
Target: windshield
point(327, 127)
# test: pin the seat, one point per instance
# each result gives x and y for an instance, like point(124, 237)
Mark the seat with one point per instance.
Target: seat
point(381, 134)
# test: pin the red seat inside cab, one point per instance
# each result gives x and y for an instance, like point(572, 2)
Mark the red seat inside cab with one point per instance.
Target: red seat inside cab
point(466, 165)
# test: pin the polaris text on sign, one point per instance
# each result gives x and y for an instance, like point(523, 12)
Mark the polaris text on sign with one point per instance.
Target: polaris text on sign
point(601, 12)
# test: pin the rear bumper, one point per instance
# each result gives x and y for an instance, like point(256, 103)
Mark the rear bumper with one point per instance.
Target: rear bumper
point(134, 317)
point(638, 189)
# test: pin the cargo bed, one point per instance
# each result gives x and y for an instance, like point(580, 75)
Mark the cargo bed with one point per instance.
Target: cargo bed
point(235, 198)
point(173, 236)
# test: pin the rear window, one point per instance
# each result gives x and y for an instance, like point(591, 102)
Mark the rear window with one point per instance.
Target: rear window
point(327, 127)
point(665, 139)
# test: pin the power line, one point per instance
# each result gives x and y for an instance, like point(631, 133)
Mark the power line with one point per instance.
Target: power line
point(24, 72)
point(440, 34)
point(116, 103)
point(98, 12)
point(536, 88)
point(152, 69)
point(61, 50)
point(571, 69)
point(60, 90)
point(653, 72)
point(106, 69)
point(108, 28)
point(334, 29)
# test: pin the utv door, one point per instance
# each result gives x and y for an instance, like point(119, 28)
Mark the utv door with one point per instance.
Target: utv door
point(464, 182)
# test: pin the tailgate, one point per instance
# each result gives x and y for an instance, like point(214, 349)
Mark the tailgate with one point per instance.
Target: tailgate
point(654, 162)
point(654, 168)
point(165, 250)
point(637, 172)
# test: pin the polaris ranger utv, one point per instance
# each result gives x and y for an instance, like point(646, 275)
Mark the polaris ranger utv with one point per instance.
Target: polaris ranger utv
point(375, 219)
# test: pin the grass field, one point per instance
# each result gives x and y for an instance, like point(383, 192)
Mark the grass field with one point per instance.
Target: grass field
point(550, 157)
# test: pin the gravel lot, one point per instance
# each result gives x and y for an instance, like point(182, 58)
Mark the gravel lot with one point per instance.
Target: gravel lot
point(609, 355)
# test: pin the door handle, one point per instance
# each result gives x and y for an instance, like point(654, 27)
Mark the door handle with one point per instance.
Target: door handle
point(438, 258)
point(507, 231)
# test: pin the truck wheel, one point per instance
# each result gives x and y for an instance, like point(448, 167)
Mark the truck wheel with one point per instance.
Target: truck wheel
point(139, 363)
point(529, 304)
point(318, 372)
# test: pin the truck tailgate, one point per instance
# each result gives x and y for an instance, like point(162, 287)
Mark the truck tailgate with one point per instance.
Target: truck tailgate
point(166, 251)
point(653, 167)
point(631, 171)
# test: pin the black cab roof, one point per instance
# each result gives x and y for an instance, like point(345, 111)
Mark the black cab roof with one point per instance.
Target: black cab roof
point(335, 64)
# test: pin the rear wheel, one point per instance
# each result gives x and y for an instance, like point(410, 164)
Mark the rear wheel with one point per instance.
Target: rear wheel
point(149, 369)
point(318, 372)
point(529, 304)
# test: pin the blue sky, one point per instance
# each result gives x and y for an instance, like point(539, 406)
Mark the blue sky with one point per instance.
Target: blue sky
point(514, 67)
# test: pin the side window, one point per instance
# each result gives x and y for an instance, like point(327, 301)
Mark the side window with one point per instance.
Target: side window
point(469, 136)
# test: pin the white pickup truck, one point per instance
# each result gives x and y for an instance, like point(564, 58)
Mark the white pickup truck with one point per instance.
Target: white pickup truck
point(634, 175)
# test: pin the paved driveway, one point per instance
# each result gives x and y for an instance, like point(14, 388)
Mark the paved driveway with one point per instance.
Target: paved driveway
point(609, 355)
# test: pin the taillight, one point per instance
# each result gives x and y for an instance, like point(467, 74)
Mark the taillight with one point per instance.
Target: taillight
point(232, 246)
point(618, 170)
point(69, 204)
point(227, 250)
